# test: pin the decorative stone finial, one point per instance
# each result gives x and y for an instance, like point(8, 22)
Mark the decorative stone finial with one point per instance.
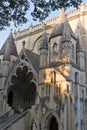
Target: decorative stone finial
point(44, 43)
point(62, 16)
point(44, 26)
point(31, 24)
point(11, 30)
point(30, 27)
point(23, 43)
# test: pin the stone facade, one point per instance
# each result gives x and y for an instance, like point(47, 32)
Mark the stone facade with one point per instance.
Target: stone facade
point(43, 75)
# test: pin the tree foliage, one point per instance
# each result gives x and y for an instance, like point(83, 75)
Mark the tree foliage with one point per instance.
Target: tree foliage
point(13, 10)
point(42, 8)
point(16, 9)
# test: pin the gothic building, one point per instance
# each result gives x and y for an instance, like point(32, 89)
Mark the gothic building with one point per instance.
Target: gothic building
point(43, 75)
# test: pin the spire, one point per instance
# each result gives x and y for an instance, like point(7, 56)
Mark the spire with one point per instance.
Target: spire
point(62, 16)
point(13, 46)
point(82, 6)
point(9, 43)
point(66, 27)
point(7, 50)
point(79, 40)
point(66, 32)
point(31, 24)
point(44, 43)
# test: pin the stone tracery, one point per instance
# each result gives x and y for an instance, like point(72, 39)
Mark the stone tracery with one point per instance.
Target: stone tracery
point(22, 91)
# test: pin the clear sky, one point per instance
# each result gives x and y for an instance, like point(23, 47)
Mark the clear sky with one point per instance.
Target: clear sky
point(4, 33)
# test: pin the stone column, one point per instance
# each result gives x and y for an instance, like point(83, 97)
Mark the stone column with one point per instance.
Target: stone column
point(69, 118)
point(79, 123)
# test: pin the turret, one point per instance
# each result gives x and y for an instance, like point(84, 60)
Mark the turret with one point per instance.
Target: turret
point(43, 62)
point(9, 55)
point(6, 60)
point(80, 51)
point(66, 42)
point(62, 40)
point(44, 49)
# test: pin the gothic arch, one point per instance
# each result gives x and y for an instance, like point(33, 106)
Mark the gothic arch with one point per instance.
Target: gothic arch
point(22, 89)
point(37, 43)
point(50, 116)
point(76, 77)
point(10, 98)
point(73, 51)
point(55, 49)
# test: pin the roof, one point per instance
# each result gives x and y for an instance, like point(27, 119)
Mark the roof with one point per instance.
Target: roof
point(59, 29)
point(13, 50)
point(34, 59)
point(79, 44)
point(62, 27)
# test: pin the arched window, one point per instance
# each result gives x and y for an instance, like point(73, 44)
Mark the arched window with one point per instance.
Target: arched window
point(55, 49)
point(53, 124)
point(73, 51)
point(10, 98)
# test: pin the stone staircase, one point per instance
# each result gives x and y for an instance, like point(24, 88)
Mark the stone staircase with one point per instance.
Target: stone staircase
point(10, 118)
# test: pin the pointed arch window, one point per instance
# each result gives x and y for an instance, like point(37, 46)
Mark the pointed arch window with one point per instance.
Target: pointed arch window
point(55, 49)
point(53, 124)
point(76, 77)
point(73, 51)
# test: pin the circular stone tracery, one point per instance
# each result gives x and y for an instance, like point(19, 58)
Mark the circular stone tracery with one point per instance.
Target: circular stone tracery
point(22, 92)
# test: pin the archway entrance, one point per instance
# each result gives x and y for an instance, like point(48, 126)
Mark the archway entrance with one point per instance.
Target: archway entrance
point(53, 124)
point(10, 98)
point(22, 92)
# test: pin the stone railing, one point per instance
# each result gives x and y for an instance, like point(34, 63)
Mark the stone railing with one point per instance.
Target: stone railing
point(73, 12)
point(53, 20)
point(5, 116)
point(37, 26)
point(14, 120)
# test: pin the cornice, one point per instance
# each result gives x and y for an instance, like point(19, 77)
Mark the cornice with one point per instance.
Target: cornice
point(72, 15)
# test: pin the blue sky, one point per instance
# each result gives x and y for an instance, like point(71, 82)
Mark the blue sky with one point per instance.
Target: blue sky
point(4, 33)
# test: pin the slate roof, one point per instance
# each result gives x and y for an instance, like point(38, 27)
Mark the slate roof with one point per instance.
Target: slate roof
point(59, 29)
point(13, 50)
point(34, 59)
point(61, 25)
point(79, 46)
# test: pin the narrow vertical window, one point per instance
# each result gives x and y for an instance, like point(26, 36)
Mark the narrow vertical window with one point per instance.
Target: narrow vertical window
point(73, 51)
point(57, 89)
point(76, 77)
point(49, 89)
point(55, 49)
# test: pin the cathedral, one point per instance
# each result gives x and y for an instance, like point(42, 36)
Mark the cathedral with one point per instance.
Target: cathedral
point(43, 75)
